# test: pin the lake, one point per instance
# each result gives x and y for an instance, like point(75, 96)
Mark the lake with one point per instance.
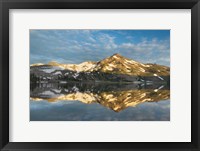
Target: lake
point(77, 101)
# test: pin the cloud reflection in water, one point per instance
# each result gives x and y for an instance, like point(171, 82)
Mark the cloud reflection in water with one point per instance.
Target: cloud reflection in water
point(97, 102)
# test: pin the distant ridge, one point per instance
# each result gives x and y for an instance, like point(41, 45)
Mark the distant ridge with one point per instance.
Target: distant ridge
point(115, 64)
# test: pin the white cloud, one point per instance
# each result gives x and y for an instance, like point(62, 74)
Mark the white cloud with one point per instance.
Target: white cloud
point(107, 41)
point(145, 46)
point(99, 45)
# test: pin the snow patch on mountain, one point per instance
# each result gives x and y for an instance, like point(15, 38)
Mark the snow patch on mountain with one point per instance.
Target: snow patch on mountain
point(49, 69)
point(141, 69)
point(158, 76)
point(57, 73)
point(75, 75)
point(37, 64)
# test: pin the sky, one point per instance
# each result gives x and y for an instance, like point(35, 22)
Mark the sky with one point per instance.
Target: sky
point(77, 46)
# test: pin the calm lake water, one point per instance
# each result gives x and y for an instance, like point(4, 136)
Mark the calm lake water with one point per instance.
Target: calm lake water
point(99, 102)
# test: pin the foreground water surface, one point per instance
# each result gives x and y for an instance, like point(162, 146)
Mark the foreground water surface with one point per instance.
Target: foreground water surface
point(99, 102)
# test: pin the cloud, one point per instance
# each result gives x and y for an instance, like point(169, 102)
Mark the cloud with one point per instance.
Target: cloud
point(76, 46)
point(145, 45)
point(107, 41)
point(148, 51)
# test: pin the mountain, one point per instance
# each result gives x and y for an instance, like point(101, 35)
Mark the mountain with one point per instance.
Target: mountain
point(114, 68)
point(83, 67)
point(118, 64)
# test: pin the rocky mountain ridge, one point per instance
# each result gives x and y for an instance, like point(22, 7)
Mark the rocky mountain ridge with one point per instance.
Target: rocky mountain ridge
point(113, 68)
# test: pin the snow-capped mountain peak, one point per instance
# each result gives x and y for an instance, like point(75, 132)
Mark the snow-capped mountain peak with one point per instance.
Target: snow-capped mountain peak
point(115, 64)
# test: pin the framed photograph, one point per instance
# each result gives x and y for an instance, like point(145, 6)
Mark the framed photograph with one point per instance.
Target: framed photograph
point(99, 75)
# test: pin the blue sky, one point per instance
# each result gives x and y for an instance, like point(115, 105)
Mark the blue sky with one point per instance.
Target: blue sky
point(76, 46)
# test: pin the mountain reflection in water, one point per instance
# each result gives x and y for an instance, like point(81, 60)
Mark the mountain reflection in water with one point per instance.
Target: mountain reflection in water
point(115, 100)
